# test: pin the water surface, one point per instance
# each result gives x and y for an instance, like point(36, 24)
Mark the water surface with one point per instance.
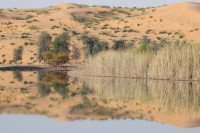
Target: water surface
point(56, 102)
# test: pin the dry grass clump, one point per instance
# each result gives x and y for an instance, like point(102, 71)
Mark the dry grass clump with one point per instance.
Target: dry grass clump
point(171, 62)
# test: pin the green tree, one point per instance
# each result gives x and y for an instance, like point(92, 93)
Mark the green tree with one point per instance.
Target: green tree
point(58, 53)
point(61, 43)
point(44, 42)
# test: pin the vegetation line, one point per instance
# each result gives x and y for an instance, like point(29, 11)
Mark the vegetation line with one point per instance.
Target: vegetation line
point(179, 62)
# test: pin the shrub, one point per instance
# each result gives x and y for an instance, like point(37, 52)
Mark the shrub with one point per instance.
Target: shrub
point(33, 27)
point(55, 59)
point(119, 44)
point(51, 19)
point(29, 16)
point(43, 12)
point(121, 11)
point(17, 53)
point(93, 45)
point(55, 27)
point(18, 18)
point(29, 21)
point(81, 19)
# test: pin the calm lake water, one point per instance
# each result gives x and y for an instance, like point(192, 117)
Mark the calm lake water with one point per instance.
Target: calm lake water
point(50, 102)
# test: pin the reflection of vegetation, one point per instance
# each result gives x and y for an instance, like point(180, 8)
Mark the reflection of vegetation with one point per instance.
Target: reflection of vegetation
point(93, 107)
point(171, 96)
point(17, 75)
point(85, 90)
point(60, 88)
point(43, 89)
point(57, 80)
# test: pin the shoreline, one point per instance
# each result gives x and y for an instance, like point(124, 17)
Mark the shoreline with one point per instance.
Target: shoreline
point(71, 68)
point(37, 68)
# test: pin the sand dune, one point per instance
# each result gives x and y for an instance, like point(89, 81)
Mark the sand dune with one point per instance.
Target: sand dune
point(176, 21)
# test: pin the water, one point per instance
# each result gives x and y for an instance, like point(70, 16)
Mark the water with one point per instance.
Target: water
point(40, 124)
point(50, 102)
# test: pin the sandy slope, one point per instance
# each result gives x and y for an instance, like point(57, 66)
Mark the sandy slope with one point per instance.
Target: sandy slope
point(177, 21)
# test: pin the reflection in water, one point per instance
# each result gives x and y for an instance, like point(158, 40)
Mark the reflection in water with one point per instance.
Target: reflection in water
point(18, 75)
point(57, 95)
point(59, 81)
point(173, 96)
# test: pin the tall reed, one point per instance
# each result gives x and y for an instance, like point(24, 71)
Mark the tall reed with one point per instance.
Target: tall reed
point(172, 62)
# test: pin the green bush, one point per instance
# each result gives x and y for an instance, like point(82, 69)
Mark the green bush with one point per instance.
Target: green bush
point(119, 44)
point(29, 16)
point(33, 27)
point(81, 19)
point(18, 18)
point(43, 12)
point(93, 45)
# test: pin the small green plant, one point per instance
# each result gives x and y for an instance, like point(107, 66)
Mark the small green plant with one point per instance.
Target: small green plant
point(33, 27)
point(104, 33)
point(43, 12)
point(81, 19)
point(18, 18)
point(55, 27)
point(29, 16)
